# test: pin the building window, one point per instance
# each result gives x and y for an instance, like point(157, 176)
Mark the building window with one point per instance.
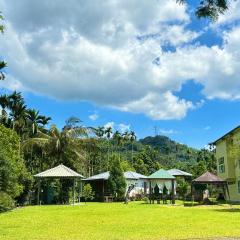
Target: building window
point(238, 186)
point(221, 165)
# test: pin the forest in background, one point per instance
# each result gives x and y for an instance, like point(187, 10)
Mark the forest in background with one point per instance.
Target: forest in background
point(37, 145)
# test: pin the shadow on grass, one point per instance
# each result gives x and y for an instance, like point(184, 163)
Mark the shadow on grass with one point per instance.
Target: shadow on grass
point(230, 210)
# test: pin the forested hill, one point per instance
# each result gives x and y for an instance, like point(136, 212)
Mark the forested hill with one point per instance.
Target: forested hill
point(170, 154)
point(166, 146)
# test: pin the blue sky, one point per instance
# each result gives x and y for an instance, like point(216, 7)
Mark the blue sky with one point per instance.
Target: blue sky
point(135, 66)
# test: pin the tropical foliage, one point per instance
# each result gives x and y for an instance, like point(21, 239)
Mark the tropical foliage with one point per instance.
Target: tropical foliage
point(13, 174)
point(210, 8)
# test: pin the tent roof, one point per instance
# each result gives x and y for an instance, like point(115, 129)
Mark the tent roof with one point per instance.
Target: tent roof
point(208, 177)
point(177, 172)
point(105, 176)
point(161, 174)
point(59, 171)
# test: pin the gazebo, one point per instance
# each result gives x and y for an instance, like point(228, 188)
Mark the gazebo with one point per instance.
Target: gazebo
point(60, 171)
point(211, 179)
point(161, 179)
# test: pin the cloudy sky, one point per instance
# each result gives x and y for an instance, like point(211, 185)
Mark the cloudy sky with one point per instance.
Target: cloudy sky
point(148, 66)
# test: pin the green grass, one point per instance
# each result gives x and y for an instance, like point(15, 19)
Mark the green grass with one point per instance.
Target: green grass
point(118, 221)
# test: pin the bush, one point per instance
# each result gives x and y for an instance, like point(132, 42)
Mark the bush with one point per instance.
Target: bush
point(87, 192)
point(6, 202)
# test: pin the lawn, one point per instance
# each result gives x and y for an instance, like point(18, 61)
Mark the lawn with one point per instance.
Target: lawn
point(118, 221)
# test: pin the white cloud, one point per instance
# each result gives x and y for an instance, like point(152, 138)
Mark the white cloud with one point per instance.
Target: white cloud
point(94, 116)
point(156, 106)
point(72, 50)
point(231, 15)
point(123, 127)
point(207, 128)
point(109, 124)
point(168, 131)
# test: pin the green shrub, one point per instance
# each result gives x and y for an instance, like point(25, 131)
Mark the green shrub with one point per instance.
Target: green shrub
point(6, 202)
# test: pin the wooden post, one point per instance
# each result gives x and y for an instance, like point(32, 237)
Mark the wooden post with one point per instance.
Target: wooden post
point(38, 193)
point(74, 181)
point(150, 192)
point(103, 190)
point(173, 194)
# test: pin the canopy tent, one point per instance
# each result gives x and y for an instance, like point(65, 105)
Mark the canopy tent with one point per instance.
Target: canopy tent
point(179, 173)
point(161, 179)
point(60, 171)
point(99, 182)
point(211, 179)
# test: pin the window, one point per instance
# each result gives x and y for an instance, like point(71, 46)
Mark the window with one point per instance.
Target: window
point(221, 165)
point(238, 186)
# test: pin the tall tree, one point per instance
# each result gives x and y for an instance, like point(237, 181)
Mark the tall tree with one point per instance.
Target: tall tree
point(118, 139)
point(116, 181)
point(108, 133)
point(132, 140)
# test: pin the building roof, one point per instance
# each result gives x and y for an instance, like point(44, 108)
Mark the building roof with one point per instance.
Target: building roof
point(59, 171)
point(133, 175)
point(100, 176)
point(161, 174)
point(105, 176)
point(208, 177)
point(177, 173)
point(225, 135)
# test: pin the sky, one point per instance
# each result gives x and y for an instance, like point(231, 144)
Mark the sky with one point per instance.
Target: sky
point(147, 66)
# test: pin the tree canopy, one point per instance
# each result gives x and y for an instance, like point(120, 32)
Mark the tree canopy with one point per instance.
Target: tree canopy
point(210, 8)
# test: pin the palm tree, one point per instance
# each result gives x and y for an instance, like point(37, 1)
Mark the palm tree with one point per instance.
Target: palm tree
point(117, 136)
point(59, 145)
point(108, 132)
point(126, 138)
point(33, 119)
point(99, 132)
point(132, 140)
point(18, 115)
point(44, 120)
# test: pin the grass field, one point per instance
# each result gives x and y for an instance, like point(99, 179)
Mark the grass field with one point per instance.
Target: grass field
point(118, 221)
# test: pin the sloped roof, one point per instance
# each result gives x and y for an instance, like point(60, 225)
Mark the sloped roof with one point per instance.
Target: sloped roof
point(161, 174)
point(59, 171)
point(225, 135)
point(208, 177)
point(133, 175)
point(178, 172)
point(105, 176)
